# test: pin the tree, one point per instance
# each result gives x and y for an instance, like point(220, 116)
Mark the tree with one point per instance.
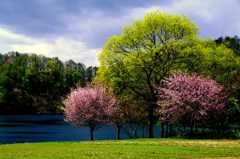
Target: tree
point(137, 60)
point(233, 73)
point(35, 84)
point(191, 99)
point(130, 118)
point(206, 58)
point(231, 42)
point(135, 120)
point(90, 73)
point(90, 106)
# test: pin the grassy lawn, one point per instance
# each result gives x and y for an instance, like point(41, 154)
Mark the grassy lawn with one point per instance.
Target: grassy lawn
point(141, 148)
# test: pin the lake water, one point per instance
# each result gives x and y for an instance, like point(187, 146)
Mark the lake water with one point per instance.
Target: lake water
point(39, 128)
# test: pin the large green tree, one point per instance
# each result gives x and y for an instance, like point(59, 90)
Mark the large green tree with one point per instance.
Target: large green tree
point(144, 54)
point(136, 62)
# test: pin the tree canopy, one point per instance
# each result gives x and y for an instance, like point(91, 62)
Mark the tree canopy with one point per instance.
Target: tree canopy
point(189, 100)
point(137, 61)
point(35, 84)
point(90, 106)
point(145, 53)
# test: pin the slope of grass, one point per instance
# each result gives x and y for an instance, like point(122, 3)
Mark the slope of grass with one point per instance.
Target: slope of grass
point(141, 148)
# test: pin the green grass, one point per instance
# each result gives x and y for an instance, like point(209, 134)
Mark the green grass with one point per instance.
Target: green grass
point(141, 148)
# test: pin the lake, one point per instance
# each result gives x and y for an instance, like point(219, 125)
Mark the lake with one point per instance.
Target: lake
point(40, 128)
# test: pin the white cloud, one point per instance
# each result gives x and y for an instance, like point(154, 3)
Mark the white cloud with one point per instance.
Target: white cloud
point(215, 17)
point(206, 10)
point(61, 47)
point(8, 37)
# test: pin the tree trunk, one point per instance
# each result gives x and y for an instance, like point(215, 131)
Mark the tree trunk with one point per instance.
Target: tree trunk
point(91, 133)
point(162, 130)
point(142, 126)
point(150, 122)
point(134, 132)
point(167, 126)
point(118, 132)
point(171, 130)
point(191, 130)
point(150, 129)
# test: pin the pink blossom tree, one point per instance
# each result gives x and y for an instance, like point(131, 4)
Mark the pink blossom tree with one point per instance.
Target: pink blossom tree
point(191, 99)
point(90, 106)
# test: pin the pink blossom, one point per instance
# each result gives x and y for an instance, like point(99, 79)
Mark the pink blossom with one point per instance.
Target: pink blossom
point(190, 99)
point(90, 106)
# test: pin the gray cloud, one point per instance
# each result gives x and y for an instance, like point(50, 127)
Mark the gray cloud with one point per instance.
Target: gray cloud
point(78, 19)
point(48, 25)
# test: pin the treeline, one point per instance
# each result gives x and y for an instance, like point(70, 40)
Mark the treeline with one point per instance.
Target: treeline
point(232, 43)
point(35, 84)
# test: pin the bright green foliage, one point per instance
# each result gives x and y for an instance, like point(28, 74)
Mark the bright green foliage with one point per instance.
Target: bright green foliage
point(231, 42)
point(233, 84)
point(137, 60)
point(221, 62)
point(208, 59)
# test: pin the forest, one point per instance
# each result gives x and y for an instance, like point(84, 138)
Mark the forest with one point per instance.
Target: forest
point(35, 84)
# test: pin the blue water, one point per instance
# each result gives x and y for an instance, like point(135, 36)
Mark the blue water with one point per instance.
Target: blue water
point(39, 128)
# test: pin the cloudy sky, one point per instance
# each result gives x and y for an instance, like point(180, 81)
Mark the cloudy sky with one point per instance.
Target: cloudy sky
point(78, 29)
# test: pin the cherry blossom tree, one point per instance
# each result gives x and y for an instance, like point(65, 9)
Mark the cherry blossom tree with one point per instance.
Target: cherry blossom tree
point(191, 99)
point(90, 106)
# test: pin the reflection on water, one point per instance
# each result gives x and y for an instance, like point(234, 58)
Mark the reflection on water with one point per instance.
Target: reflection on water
point(39, 128)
